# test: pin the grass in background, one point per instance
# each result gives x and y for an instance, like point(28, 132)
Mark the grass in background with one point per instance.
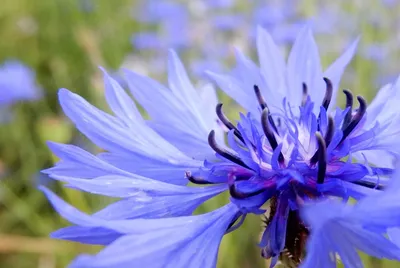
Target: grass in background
point(65, 41)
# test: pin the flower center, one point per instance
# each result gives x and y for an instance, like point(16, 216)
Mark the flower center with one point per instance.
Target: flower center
point(300, 147)
point(286, 156)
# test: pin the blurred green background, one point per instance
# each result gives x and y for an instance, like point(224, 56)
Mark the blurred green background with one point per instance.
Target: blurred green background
point(64, 42)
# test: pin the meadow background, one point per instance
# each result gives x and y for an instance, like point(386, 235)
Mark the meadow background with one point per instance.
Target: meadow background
point(64, 41)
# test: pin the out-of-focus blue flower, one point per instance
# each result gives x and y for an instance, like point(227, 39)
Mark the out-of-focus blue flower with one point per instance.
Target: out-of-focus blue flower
point(169, 20)
point(17, 83)
point(227, 22)
point(375, 52)
point(200, 66)
point(219, 3)
point(271, 14)
point(201, 24)
point(149, 40)
point(390, 3)
point(86, 6)
point(158, 11)
point(294, 148)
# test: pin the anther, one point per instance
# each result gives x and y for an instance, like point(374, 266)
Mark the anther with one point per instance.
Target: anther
point(329, 131)
point(279, 122)
point(370, 185)
point(356, 118)
point(328, 93)
point(305, 94)
point(260, 98)
point(223, 152)
point(321, 158)
point(328, 138)
point(264, 105)
point(195, 180)
point(228, 123)
point(239, 195)
point(349, 106)
point(269, 134)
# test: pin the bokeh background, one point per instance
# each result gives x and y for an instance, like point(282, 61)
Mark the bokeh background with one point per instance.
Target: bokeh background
point(49, 44)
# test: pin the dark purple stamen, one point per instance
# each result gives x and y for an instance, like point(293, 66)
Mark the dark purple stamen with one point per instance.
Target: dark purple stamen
point(228, 123)
point(356, 118)
point(370, 185)
point(349, 105)
point(321, 158)
point(328, 93)
point(260, 98)
point(223, 152)
point(269, 134)
point(305, 94)
point(239, 195)
point(329, 131)
point(279, 122)
point(263, 105)
point(196, 180)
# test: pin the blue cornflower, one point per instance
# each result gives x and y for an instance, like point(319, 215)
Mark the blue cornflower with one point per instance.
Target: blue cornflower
point(17, 83)
point(169, 18)
point(293, 150)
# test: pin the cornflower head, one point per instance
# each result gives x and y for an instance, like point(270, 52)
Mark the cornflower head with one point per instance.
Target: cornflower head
point(293, 157)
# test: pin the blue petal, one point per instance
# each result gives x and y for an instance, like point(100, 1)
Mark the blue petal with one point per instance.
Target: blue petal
point(87, 235)
point(186, 242)
point(123, 186)
point(274, 235)
point(76, 162)
point(111, 134)
point(378, 103)
point(273, 66)
point(181, 86)
point(123, 226)
point(242, 94)
point(176, 112)
point(248, 73)
point(304, 66)
point(69, 212)
point(376, 157)
point(120, 102)
point(144, 198)
point(96, 230)
point(335, 71)
point(381, 209)
point(380, 123)
point(336, 230)
point(394, 235)
point(169, 171)
point(160, 205)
